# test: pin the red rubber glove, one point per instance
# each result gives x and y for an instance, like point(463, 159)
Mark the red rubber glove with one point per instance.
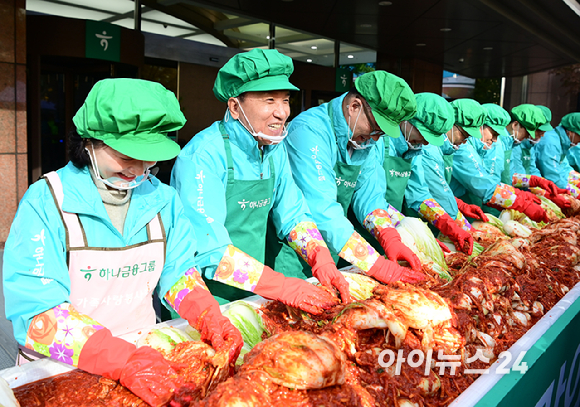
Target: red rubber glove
point(562, 202)
point(443, 247)
point(529, 196)
point(202, 311)
point(388, 271)
point(395, 250)
point(473, 211)
point(294, 292)
point(144, 371)
point(547, 185)
point(462, 239)
point(324, 269)
point(533, 210)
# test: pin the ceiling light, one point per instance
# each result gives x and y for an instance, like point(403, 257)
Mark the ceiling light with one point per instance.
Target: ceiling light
point(267, 37)
point(385, 3)
point(420, 45)
point(308, 60)
point(350, 56)
point(445, 29)
point(487, 48)
point(314, 47)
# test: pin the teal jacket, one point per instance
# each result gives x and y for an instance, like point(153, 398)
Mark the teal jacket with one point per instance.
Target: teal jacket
point(427, 181)
point(28, 294)
point(200, 176)
point(552, 161)
point(573, 157)
point(470, 175)
point(315, 143)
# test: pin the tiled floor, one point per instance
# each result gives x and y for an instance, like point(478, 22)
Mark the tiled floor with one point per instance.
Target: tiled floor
point(8, 346)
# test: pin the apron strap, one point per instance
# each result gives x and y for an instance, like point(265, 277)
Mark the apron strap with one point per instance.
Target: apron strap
point(75, 234)
point(155, 230)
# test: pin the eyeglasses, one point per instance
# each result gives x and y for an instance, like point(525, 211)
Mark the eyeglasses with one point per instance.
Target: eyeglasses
point(374, 132)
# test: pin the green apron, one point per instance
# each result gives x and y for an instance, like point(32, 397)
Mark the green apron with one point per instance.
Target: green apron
point(397, 171)
point(506, 175)
point(448, 161)
point(526, 160)
point(245, 224)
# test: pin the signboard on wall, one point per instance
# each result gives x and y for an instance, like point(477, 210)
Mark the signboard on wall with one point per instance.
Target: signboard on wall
point(102, 41)
point(343, 80)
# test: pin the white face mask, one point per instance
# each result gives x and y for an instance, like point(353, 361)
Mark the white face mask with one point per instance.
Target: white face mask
point(411, 146)
point(453, 145)
point(353, 143)
point(515, 135)
point(535, 141)
point(273, 139)
point(116, 182)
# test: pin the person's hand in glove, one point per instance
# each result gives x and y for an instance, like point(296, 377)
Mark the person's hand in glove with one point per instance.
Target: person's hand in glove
point(324, 269)
point(387, 271)
point(203, 313)
point(473, 211)
point(462, 239)
point(294, 292)
point(395, 250)
point(529, 207)
point(559, 200)
point(529, 196)
point(144, 371)
point(546, 184)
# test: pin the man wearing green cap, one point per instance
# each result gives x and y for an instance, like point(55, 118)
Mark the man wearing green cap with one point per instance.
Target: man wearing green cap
point(471, 182)
point(428, 191)
point(330, 148)
point(91, 241)
point(551, 153)
point(234, 175)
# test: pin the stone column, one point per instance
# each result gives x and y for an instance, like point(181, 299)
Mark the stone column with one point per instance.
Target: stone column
point(13, 146)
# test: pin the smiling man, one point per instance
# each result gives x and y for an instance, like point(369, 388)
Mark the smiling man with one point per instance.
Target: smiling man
point(330, 148)
point(234, 175)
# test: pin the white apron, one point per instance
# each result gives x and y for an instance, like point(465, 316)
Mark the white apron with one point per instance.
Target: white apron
point(114, 286)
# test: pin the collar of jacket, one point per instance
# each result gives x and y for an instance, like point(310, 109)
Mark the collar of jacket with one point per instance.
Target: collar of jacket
point(244, 140)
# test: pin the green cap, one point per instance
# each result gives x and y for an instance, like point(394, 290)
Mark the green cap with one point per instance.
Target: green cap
point(434, 117)
point(470, 115)
point(497, 118)
point(259, 70)
point(390, 98)
point(571, 122)
point(133, 117)
point(548, 115)
point(529, 116)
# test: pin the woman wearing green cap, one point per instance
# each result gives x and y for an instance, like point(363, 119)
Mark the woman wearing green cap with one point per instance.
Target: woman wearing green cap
point(428, 191)
point(471, 182)
point(496, 139)
point(91, 241)
point(529, 124)
point(551, 153)
point(234, 175)
point(330, 148)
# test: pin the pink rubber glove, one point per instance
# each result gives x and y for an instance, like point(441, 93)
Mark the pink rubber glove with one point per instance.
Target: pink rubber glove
point(202, 311)
point(473, 211)
point(144, 371)
point(547, 185)
point(294, 292)
point(324, 269)
point(525, 205)
point(388, 271)
point(395, 250)
point(462, 239)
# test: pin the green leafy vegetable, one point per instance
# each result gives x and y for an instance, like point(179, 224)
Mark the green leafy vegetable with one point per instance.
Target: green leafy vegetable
point(417, 236)
point(245, 317)
point(360, 286)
